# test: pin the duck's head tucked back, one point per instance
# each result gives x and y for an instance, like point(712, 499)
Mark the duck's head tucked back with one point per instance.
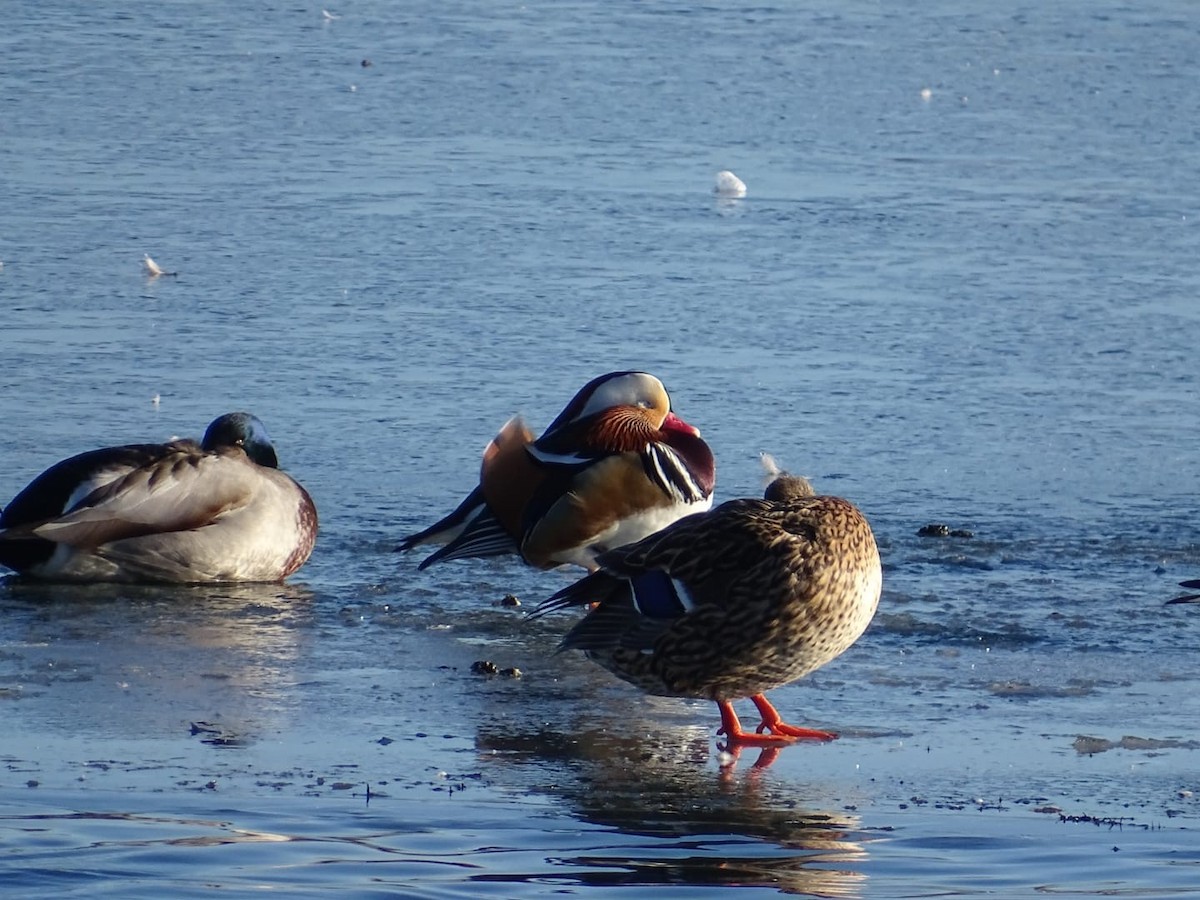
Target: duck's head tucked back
point(638, 390)
point(789, 487)
point(615, 465)
point(783, 485)
point(619, 412)
point(169, 512)
point(242, 429)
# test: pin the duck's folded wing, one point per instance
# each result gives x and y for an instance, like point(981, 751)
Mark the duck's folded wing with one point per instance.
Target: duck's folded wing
point(180, 492)
point(721, 539)
point(576, 504)
point(60, 486)
point(630, 615)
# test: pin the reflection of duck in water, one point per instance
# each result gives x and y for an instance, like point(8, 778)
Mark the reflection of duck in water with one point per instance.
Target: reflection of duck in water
point(614, 466)
point(165, 656)
point(668, 818)
point(217, 511)
point(733, 602)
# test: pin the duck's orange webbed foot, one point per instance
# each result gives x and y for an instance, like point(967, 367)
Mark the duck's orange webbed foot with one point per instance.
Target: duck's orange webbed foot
point(772, 723)
point(731, 728)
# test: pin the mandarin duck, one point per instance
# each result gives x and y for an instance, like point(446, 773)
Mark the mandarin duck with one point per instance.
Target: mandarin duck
point(217, 511)
point(1188, 598)
point(733, 602)
point(613, 467)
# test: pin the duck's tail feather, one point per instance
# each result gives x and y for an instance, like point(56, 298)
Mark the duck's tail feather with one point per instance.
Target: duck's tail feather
point(482, 536)
point(451, 526)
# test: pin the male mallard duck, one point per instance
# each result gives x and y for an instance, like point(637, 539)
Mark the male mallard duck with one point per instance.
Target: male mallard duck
point(733, 602)
point(219, 510)
point(1188, 598)
point(614, 466)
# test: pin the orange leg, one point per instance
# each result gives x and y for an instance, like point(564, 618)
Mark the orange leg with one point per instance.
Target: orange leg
point(771, 722)
point(735, 737)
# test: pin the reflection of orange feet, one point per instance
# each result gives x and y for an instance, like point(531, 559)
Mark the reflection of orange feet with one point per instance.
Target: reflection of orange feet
point(733, 752)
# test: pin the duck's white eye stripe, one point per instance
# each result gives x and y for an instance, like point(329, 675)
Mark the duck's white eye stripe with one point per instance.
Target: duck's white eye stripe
point(630, 389)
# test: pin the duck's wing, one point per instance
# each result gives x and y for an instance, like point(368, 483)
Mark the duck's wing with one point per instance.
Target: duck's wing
point(62, 485)
point(574, 504)
point(480, 524)
point(583, 507)
point(184, 490)
point(644, 588)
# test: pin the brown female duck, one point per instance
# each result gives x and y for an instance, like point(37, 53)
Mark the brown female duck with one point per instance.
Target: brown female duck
point(733, 602)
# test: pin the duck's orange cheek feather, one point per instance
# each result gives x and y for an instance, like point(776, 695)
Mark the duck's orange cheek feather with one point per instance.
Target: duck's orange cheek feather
point(620, 430)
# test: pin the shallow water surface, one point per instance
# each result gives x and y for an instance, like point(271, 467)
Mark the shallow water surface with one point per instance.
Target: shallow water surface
point(975, 307)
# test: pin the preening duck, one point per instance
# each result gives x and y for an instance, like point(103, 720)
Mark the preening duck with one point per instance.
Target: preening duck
point(615, 465)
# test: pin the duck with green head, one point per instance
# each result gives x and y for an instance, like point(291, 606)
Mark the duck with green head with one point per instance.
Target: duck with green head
point(215, 511)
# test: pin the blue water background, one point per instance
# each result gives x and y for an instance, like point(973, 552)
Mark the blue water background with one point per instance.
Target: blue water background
point(395, 228)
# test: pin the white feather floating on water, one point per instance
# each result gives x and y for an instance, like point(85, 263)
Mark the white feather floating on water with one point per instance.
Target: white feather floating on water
point(153, 269)
point(729, 185)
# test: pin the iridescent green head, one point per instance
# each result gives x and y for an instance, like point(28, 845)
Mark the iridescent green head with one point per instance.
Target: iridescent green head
point(241, 429)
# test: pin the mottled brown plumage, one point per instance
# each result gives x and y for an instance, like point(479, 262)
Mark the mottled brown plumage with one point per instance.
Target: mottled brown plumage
point(782, 485)
point(734, 602)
